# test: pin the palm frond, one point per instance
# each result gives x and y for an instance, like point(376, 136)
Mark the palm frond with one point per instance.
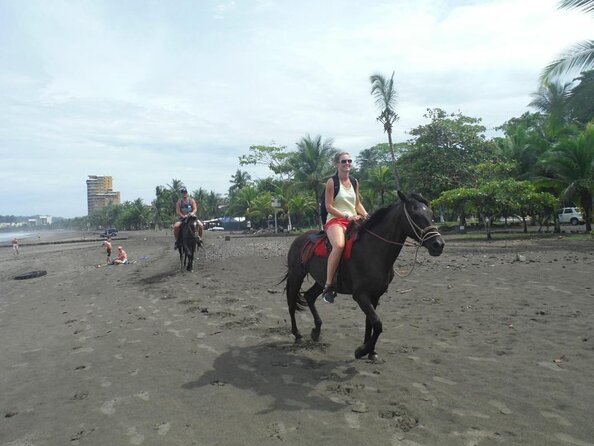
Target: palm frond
point(584, 5)
point(578, 58)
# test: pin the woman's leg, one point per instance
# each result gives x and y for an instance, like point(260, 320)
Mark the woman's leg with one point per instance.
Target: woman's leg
point(336, 236)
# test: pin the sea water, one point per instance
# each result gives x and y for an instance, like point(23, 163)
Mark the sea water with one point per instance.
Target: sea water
point(8, 236)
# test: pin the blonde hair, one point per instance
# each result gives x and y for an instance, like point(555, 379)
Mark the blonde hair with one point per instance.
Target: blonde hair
point(338, 155)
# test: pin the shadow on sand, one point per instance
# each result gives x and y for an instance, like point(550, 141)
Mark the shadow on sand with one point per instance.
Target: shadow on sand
point(282, 372)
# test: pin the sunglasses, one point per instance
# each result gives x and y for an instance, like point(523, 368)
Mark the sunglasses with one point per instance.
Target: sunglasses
point(346, 161)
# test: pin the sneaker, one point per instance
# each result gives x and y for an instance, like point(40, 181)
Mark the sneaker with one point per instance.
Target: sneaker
point(329, 295)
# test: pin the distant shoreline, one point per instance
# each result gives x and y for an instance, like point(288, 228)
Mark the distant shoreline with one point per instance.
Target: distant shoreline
point(46, 237)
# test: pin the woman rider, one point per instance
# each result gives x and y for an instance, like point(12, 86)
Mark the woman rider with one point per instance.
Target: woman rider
point(342, 210)
point(184, 207)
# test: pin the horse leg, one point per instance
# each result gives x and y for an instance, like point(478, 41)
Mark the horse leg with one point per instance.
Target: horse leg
point(368, 328)
point(310, 296)
point(293, 287)
point(191, 260)
point(375, 329)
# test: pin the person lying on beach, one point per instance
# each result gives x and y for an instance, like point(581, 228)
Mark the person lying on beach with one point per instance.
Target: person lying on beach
point(122, 257)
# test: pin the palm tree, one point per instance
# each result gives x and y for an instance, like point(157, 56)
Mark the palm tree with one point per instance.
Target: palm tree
point(300, 204)
point(385, 96)
point(242, 200)
point(139, 214)
point(380, 182)
point(312, 162)
point(572, 165)
point(238, 181)
point(552, 100)
point(176, 185)
point(260, 208)
point(578, 58)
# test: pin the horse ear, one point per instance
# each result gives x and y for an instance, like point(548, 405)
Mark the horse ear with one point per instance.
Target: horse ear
point(403, 197)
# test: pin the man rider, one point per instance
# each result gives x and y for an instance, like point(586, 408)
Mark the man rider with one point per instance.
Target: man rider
point(185, 207)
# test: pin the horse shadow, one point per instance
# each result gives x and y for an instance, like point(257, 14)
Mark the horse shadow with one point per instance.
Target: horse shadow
point(277, 371)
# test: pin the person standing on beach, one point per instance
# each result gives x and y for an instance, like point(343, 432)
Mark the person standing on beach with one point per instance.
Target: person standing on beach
point(15, 246)
point(107, 244)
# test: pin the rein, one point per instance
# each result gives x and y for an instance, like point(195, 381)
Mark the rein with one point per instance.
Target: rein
point(423, 234)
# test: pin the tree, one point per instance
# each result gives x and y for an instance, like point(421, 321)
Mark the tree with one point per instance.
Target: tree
point(260, 208)
point(238, 181)
point(572, 165)
point(276, 158)
point(312, 163)
point(496, 197)
point(578, 58)
point(164, 206)
point(300, 205)
point(385, 96)
point(381, 182)
point(552, 99)
point(443, 153)
point(581, 99)
point(241, 201)
point(524, 144)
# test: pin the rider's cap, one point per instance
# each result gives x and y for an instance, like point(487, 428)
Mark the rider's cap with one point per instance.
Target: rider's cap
point(183, 190)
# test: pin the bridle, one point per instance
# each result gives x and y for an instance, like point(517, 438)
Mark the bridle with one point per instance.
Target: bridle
point(422, 234)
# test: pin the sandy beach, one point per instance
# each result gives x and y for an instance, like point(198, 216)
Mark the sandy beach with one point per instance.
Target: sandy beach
point(491, 343)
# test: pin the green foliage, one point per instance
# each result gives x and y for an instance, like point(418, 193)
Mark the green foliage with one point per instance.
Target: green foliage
point(276, 158)
point(385, 95)
point(300, 205)
point(580, 102)
point(571, 163)
point(443, 153)
point(312, 163)
point(260, 208)
point(240, 180)
point(381, 183)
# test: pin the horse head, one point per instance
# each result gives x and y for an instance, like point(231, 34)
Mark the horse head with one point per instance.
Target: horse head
point(420, 223)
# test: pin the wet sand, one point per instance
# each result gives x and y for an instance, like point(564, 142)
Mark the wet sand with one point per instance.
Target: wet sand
point(491, 343)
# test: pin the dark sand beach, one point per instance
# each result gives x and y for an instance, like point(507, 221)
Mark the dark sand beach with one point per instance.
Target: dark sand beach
point(491, 343)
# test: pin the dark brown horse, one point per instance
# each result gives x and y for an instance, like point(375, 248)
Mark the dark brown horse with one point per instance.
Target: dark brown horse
point(187, 243)
point(369, 271)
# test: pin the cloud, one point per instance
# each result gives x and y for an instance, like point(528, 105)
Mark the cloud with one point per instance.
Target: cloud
point(147, 92)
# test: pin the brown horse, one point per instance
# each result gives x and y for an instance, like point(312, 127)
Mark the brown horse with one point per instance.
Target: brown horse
point(369, 271)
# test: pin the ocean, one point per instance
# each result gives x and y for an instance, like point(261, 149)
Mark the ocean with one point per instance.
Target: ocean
point(8, 236)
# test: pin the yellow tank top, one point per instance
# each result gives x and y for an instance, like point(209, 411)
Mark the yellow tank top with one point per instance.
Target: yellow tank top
point(345, 200)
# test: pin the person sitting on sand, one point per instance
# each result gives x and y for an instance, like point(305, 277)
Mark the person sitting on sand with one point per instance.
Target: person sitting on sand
point(122, 257)
point(107, 244)
point(15, 246)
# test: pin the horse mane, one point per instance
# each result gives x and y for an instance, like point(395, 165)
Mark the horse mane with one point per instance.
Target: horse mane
point(379, 215)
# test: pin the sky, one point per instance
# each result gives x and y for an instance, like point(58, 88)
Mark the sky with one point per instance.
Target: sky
point(147, 91)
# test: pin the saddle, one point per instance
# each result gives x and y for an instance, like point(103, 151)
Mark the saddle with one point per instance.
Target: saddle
point(319, 245)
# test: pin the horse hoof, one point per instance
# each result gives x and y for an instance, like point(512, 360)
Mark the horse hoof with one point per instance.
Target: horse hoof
point(373, 357)
point(315, 334)
point(359, 353)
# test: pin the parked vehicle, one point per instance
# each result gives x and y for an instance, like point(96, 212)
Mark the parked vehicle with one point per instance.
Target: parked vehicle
point(570, 215)
point(111, 232)
point(216, 228)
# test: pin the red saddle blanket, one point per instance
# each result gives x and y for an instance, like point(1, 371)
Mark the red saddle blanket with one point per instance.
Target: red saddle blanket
point(319, 245)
